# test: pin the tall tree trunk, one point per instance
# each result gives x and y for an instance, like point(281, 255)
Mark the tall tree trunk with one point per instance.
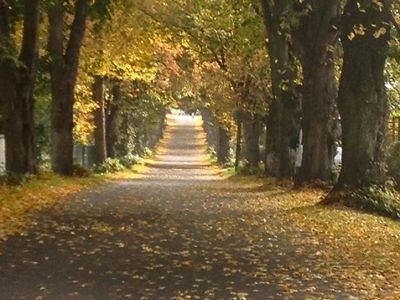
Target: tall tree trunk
point(251, 136)
point(317, 38)
point(224, 147)
point(362, 101)
point(111, 120)
point(319, 121)
point(162, 125)
point(126, 136)
point(63, 71)
point(238, 149)
point(210, 128)
point(99, 120)
point(283, 123)
point(16, 88)
point(5, 48)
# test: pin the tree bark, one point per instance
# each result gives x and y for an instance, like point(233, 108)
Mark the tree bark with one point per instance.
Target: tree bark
point(251, 137)
point(99, 120)
point(363, 104)
point(162, 125)
point(111, 120)
point(210, 128)
point(217, 136)
point(238, 149)
point(126, 136)
point(283, 123)
point(63, 71)
point(224, 147)
point(16, 87)
point(317, 38)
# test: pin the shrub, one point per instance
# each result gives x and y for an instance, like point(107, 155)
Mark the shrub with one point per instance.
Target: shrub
point(393, 163)
point(246, 169)
point(384, 201)
point(128, 161)
point(212, 154)
point(14, 178)
point(110, 165)
point(147, 152)
point(80, 171)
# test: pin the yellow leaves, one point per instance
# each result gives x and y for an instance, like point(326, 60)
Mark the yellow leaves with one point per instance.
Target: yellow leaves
point(149, 249)
point(101, 227)
point(380, 32)
point(17, 202)
point(361, 30)
point(125, 47)
point(351, 36)
point(379, 4)
point(83, 118)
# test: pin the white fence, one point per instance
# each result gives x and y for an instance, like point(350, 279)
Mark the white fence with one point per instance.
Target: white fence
point(84, 155)
point(2, 153)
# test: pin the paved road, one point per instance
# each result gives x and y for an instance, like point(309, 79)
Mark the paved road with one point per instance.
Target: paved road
point(177, 232)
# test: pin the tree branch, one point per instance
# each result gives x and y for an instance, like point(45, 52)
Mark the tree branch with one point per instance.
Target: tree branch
point(77, 33)
point(30, 41)
point(56, 31)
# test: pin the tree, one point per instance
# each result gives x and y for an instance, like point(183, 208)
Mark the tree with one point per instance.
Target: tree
point(99, 120)
point(113, 109)
point(224, 146)
point(362, 101)
point(316, 37)
point(120, 46)
point(283, 123)
point(64, 69)
point(227, 39)
point(17, 81)
point(251, 136)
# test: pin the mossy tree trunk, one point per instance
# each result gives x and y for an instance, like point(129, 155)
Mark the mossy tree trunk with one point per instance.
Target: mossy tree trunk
point(224, 147)
point(238, 146)
point(283, 121)
point(251, 138)
point(317, 37)
point(113, 109)
point(99, 120)
point(63, 71)
point(17, 81)
point(362, 101)
point(210, 128)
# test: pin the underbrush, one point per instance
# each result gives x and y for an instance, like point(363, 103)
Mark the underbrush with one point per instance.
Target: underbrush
point(384, 201)
point(213, 157)
point(110, 165)
point(14, 179)
point(393, 163)
point(127, 162)
point(246, 169)
point(381, 200)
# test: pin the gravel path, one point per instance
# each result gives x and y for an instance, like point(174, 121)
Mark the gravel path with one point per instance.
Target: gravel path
point(178, 232)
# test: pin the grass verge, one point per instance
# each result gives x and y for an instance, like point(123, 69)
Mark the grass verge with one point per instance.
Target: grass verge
point(18, 202)
point(364, 241)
